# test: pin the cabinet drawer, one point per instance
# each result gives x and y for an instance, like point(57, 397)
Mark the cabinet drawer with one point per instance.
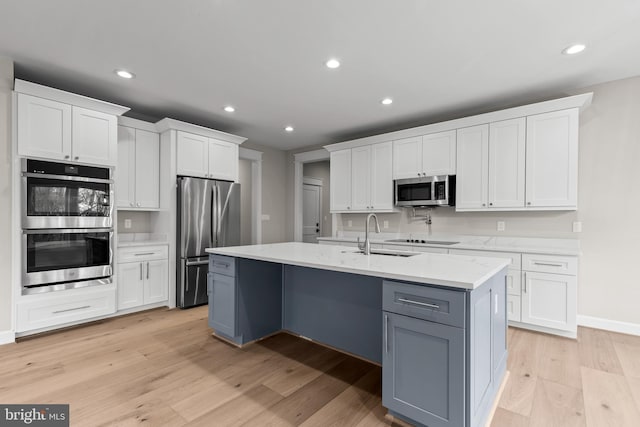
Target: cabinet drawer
point(513, 256)
point(424, 302)
point(143, 253)
point(550, 264)
point(514, 282)
point(513, 308)
point(224, 265)
point(65, 307)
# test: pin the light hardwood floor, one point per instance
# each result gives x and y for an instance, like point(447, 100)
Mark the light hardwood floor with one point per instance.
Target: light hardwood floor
point(163, 367)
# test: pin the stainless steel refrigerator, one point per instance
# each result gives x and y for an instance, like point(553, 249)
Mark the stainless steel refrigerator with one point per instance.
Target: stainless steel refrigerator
point(208, 216)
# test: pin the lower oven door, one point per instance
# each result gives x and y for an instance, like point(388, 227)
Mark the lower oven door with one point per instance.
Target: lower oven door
point(192, 289)
point(59, 256)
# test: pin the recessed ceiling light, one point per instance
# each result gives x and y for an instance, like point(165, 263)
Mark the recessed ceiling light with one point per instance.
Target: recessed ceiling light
point(332, 63)
point(289, 128)
point(125, 74)
point(573, 49)
point(387, 101)
point(229, 109)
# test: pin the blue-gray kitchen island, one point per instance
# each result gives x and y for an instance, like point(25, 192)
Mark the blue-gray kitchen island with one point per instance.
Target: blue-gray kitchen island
point(435, 322)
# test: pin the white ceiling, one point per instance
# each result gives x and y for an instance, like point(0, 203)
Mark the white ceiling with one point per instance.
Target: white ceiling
point(436, 59)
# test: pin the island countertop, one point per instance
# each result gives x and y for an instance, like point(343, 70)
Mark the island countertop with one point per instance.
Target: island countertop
point(456, 271)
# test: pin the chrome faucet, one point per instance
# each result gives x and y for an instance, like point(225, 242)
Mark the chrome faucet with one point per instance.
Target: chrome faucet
point(366, 248)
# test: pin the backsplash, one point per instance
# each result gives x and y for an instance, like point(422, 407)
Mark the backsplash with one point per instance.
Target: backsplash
point(140, 222)
point(557, 224)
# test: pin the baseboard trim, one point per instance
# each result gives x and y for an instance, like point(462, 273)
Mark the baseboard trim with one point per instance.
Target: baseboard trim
point(609, 325)
point(7, 337)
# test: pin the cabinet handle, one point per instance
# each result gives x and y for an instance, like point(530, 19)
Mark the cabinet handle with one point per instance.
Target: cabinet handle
point(348, 207)
point(386, 333)
point(484, 204)
point(419, 174)
point(147, 269)
point(490, 204)
point(224, 264)
point(140, 271)
point(131, 203)
point(424, 304)
point(547, 264)
point(67, 156)
point(524, 283)
point(76, 158)
point(528, 203)
point(71, 309)
point(145, 253)
point(138, 204)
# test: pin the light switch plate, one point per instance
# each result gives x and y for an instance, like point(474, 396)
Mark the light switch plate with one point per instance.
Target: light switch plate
point(349, 223)
point(577, 226)
point(127, 223)
point(385, 224)
point(266, 217)
point(500, 225)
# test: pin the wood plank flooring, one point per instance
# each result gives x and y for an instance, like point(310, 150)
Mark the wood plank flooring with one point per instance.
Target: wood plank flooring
point(163, 367)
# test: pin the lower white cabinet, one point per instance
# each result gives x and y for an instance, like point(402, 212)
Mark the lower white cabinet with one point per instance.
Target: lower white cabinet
point(513, 308)
point(142, 276)
point(549, 300)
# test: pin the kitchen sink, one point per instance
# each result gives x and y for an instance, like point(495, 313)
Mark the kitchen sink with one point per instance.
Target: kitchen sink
point(428, 242)
point(388, 252)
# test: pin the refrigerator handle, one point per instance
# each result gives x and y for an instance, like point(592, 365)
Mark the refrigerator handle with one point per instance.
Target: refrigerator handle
point(219, 214)
point(212, 232)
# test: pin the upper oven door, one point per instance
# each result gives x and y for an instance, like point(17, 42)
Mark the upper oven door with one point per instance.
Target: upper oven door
point(413, 192)
point(52, 201)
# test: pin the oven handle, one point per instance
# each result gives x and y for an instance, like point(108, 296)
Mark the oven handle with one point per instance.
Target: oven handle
point(66, 178)
point(67, 230)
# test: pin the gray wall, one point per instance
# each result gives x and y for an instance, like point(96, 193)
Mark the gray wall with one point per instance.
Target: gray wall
point(6, 278)
point(320, 170)
point(244, 177)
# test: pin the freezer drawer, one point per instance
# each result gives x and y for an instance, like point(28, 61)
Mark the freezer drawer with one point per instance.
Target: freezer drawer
point(192, 290)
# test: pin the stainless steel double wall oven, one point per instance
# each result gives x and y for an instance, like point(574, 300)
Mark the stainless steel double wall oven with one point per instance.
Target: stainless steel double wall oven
point(67, 226)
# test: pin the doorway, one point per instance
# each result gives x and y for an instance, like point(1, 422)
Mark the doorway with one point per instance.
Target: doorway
point(312, 164)
point(311, 210)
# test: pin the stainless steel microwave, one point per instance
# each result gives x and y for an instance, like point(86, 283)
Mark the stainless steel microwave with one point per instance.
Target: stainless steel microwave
point(426, 191)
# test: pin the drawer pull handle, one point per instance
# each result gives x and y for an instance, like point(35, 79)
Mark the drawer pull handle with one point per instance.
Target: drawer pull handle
point(71, 309)
point(224, 264)
point(548, 264)
point(423, 304)
point(191, 264)
point(146, 253)
point(386, 333)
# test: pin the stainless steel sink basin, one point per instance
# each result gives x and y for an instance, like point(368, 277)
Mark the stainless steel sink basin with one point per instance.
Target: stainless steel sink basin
point(388, 252)
point(427, 242)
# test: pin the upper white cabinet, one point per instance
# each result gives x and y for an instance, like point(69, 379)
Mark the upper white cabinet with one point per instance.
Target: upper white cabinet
point(138, 171)
point(205, 157)
point(57, 125)
point(506, 163)
point(552, 159)
point(472, 164)
point(432, 154)
point(340, 181)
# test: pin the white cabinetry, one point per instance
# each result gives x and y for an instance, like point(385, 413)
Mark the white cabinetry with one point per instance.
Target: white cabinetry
point(432, 154)
point(55, 130)
point(506, 163)
point(552, 159)
point(142, 276)
point(138, 171)
point(472, 163)
point(205, 157)
point(361, 179)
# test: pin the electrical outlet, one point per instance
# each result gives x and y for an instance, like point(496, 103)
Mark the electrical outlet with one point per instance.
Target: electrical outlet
point(266, 217)
point(385, 224)
point(127, 223)
point(349, 223)
point(500, 225)
point(577, 226)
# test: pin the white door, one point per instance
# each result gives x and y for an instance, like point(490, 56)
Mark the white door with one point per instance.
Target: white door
point(44, 128)
point(310, 213)
point(381, 176)
point(223, 160)
point(94, 137)
point(506, 163)
point(552, 159)
point(361, 178)
point(549, 300)
point(472, 162)
point(130, 285)
point(340, 181)
point(407, 158)
point(147, 170)
point(126, 168)
point(439, 153)
point(193, 155)
point(156, 285)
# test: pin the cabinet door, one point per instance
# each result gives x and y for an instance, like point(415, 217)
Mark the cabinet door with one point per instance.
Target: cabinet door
point(382, 176)
point(423, 370)
point(513, 308)
point(94, 137)
point(223, 160)
point(126, 168)
point(549, 300)
point(44, 128)
point(472, 165)
point(361, 178)
point(222, 303)
point(340, 180)
point(506, 163)
point(156, 285)
point(552, 159)
point(439, 153)
point(193, 155)
point(130, 285)
point(407, 158)
point(147, 169)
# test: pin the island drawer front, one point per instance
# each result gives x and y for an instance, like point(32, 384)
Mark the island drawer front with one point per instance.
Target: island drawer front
point(550, 264)
point(514, 257)
point(424, 302)
point(224, 265)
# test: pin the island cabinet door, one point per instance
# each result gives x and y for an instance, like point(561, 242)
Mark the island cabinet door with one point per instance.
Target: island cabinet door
point(423, 370)
point(222, 303)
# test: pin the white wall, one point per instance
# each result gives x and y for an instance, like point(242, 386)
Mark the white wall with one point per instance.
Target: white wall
point(244, 177)
point(608, 206)
point(320, 170)
point(140, 222)
point(6, 86)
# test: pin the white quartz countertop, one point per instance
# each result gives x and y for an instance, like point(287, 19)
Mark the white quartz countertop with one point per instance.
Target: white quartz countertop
point(126, 240)
point(457, 271)
point(532, 245)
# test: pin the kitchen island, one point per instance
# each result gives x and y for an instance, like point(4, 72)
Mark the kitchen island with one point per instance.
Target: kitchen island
point(436, 323)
